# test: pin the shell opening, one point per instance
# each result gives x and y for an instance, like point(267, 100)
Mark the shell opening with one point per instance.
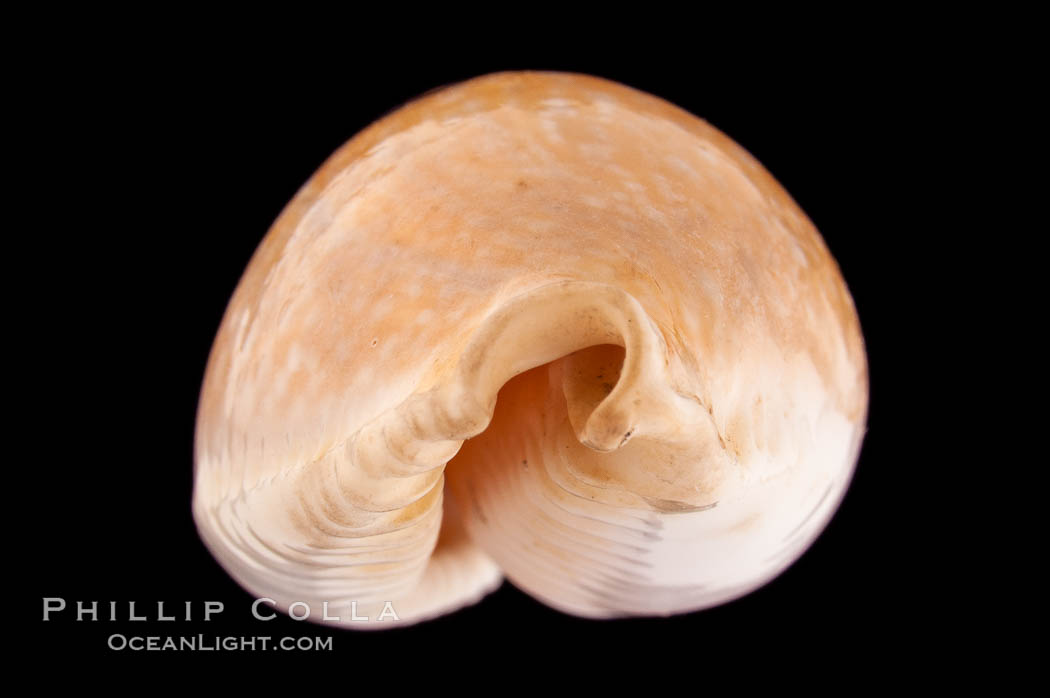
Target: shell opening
point(594, 430)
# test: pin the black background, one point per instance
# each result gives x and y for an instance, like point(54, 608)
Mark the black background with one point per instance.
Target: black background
point(160, 171)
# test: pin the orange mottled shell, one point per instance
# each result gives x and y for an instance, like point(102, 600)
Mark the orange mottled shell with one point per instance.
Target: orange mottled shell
point(680, 372)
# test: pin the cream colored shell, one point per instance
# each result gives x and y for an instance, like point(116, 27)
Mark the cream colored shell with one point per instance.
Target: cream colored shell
point(681, 378)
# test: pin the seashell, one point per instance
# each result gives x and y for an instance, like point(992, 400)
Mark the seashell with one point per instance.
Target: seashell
point(539, 326)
